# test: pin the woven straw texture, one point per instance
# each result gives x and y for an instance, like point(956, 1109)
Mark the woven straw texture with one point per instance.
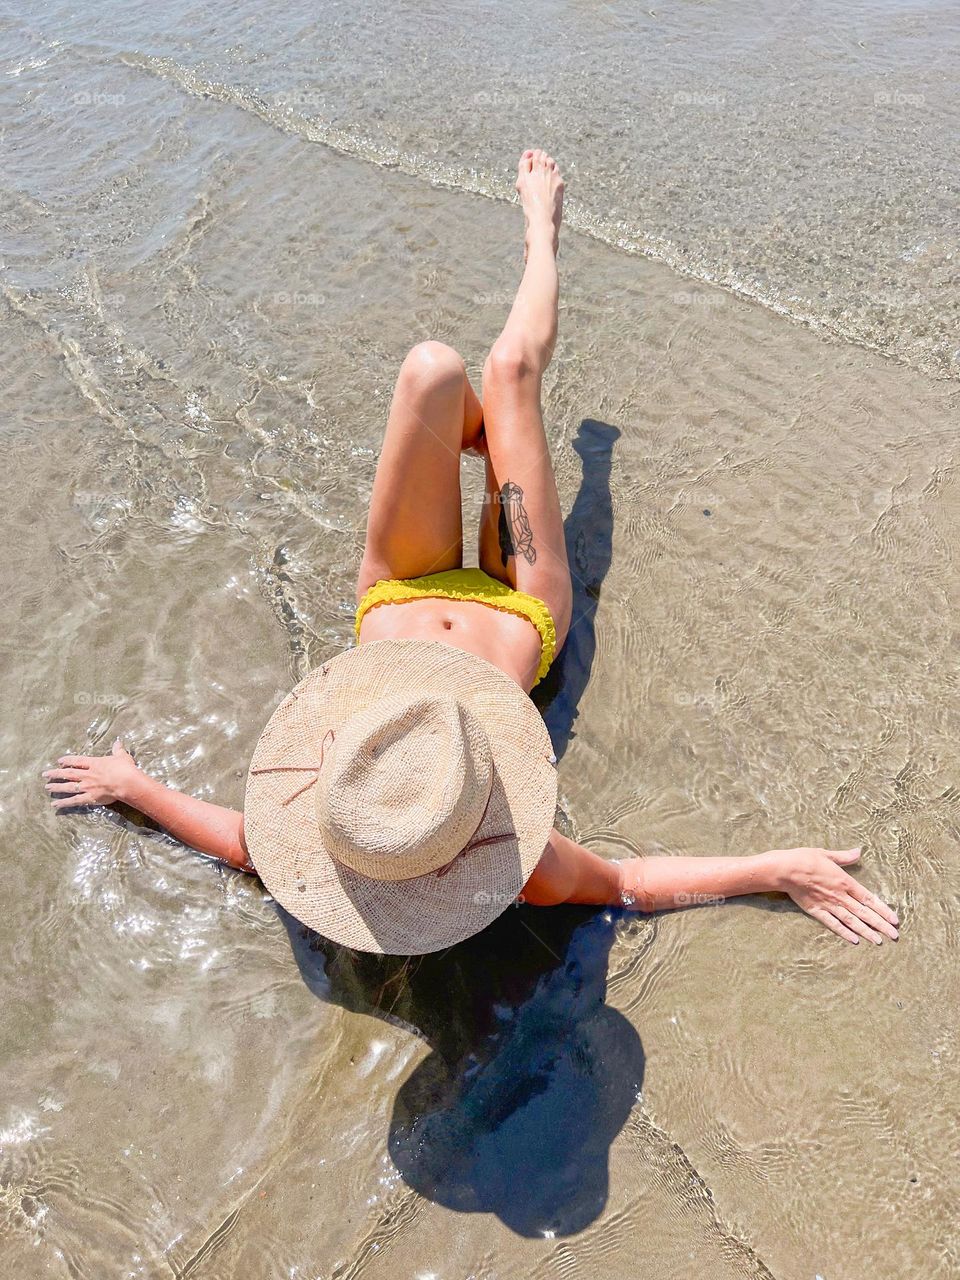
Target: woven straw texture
point(426, 912)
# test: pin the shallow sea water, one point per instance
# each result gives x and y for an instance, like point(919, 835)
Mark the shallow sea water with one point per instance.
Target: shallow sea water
point(222, 230)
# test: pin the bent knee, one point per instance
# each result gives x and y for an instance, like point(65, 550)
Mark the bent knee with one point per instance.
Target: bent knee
point(512, 361)
point(431, 366)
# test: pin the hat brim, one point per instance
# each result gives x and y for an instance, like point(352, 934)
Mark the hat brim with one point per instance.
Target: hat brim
point(430, 912)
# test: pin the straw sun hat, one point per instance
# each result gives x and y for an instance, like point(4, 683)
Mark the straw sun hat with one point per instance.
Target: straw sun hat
point(400, 796)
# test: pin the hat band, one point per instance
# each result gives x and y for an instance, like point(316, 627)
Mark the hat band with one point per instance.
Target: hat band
point(475, 843)
point(300, 768)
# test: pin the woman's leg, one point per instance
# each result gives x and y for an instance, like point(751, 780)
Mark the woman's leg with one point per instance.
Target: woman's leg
point(521, 532)
point(414, 526)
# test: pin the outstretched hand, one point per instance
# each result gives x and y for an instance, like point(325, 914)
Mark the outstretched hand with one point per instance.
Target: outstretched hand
point(82, 780)
point(817, 883)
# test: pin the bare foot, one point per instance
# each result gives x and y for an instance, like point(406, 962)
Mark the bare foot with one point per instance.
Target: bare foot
point(541, 194)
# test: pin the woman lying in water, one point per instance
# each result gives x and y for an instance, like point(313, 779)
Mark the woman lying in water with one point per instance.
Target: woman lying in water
point(403, 795)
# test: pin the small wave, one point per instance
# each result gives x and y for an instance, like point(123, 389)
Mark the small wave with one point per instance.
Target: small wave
point(275, 109)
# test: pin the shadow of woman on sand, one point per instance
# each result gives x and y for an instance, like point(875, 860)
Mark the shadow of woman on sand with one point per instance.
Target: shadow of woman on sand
point(531, 1075)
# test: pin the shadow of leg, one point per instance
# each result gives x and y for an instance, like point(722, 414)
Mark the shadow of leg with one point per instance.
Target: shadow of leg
point(588, 533)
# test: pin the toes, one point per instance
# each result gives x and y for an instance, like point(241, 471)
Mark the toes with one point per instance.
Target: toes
point(536, 160)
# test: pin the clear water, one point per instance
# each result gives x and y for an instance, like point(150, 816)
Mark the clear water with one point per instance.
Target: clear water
point(222, 228)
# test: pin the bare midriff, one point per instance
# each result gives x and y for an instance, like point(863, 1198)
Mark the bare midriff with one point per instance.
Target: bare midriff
point(508, 641)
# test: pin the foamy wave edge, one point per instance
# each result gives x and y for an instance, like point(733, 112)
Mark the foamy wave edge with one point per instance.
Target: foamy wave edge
point(357, 145)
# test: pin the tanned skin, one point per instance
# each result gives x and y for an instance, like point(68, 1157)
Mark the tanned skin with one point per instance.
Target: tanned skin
point(436, 415)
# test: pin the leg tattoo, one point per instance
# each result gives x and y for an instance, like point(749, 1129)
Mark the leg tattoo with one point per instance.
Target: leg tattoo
point(516, 536)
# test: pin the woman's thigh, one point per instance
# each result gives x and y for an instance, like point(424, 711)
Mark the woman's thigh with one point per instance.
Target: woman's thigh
point(415, 522)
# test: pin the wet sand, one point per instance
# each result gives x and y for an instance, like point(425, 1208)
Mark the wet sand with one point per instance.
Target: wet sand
point(763, 526)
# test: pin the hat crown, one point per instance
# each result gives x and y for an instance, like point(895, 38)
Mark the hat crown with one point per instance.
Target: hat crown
point(405, 786)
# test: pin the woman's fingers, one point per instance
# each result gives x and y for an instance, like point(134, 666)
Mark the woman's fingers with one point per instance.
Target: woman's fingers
point(75, 762)
point(871, 917)
point(72, 802)
point(843, 856)
point(854, 923)
point(833, 924)
point(64, 775)
point(64, 788)
point(869, 899)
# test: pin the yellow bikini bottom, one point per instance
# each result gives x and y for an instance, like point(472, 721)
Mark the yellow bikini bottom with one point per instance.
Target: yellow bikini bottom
point(468, 584)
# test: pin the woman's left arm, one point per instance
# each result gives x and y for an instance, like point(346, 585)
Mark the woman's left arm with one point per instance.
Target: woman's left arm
point(813, 878)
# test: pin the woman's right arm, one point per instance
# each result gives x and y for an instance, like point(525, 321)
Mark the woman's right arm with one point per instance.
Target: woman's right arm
point(208, 828)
